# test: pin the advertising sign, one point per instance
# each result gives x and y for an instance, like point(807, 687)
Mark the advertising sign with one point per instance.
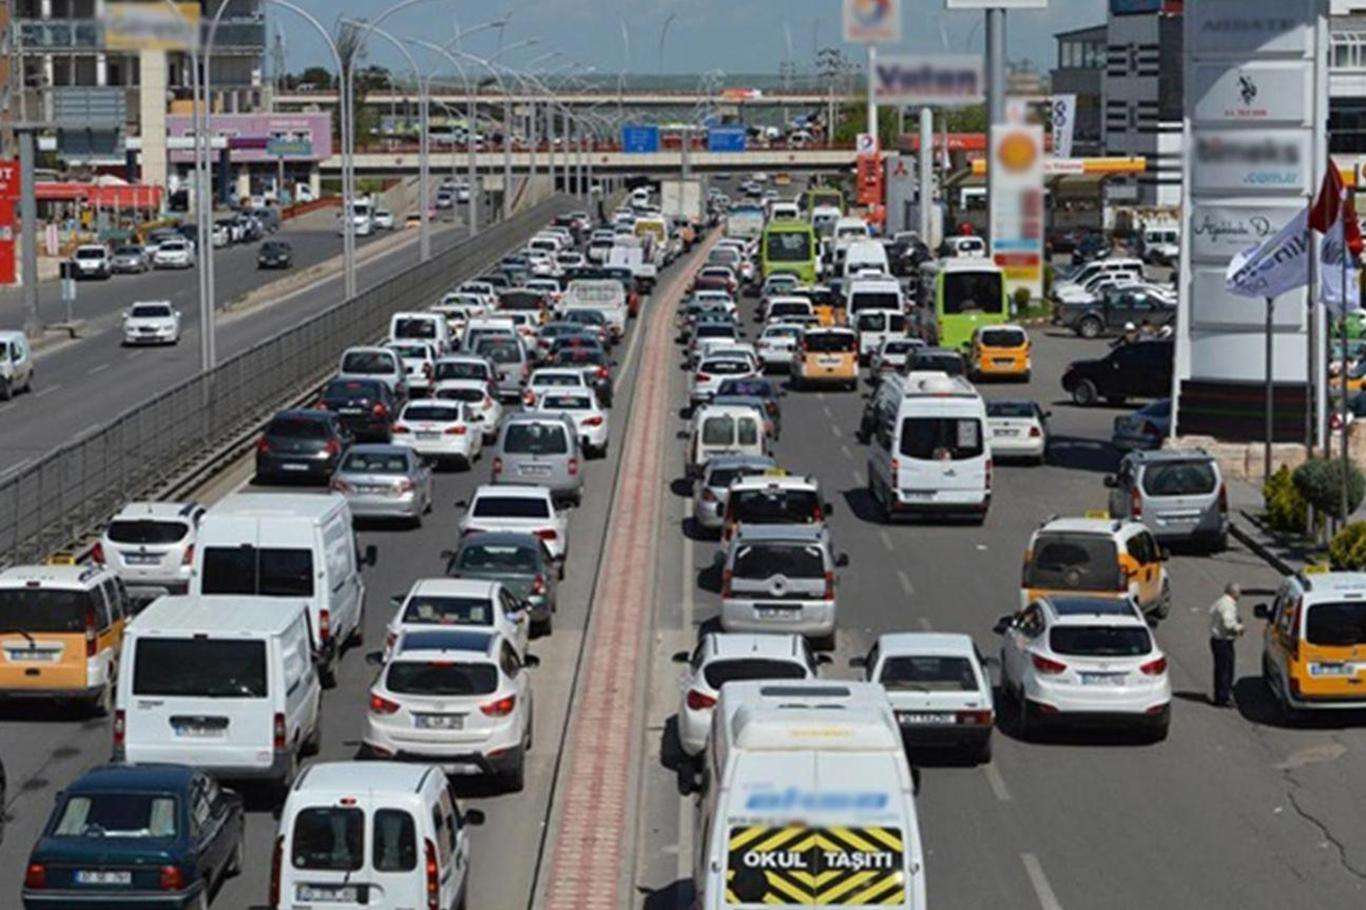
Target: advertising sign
point(727, 139)
point(872, 21)
point(1266, 93)
point(281, 147)
point(1063, 111)
point(820, 867)
point(9, 192)
point(1247, 161)
point(1224, 231)
point(1253, 29)
point(639, 138)
point(1017, 205)
point(944, 80)
point(133, 25)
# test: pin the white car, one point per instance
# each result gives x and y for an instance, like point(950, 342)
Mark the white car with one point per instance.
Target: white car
point(458, 603)
point(1088, 660)
point(384, 220)
point(892, 355)
point(939, 688)
point(477, 394)
point(151, 322)
point(777, 345)
point(723, 657)
point(150, 546)
point(458, 698)
point(1017, 429)
point(419, 360)
point(442, 431)
point(173, 254)
point(92, 260)
point(520, 508)
point(714, 370)
point(552, 379)
point(590, 419)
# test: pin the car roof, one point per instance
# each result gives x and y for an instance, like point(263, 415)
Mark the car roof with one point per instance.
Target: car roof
point(502, 538)
point(530, 491)
point(728, 460)
point(780, 533)
point(160, 510)
point(1090, 611)
point(454, 587)
point(954, 643)
point(121, 777)
point(77, 577)
point(1157, 456)
point(1105, 526)
point(425, 641)
point(722, 645)
point(1336, 584)
point(381, 448)
point(226, 616)
point(779, 481)
point(363, 777)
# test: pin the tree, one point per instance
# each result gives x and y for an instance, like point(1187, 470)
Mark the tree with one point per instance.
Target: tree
point(313, 75)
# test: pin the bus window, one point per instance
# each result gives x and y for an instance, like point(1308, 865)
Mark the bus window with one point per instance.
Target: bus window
point(971, 292)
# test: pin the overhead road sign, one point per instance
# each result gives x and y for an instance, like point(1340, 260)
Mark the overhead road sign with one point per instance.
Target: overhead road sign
point(639, 138)
point(727, 139)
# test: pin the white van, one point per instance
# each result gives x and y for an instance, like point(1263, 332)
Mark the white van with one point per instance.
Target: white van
point(848, 229)
point(865, 256)
point(806, 798)
point(928, 451)
point(371, 834)
point(875, 327)
point(732, 429)
point(226, 685)
point(606, 295)
point(295, 547)
point(872, 294)
point(428, 326)
point(783, 211)
point(823, 219)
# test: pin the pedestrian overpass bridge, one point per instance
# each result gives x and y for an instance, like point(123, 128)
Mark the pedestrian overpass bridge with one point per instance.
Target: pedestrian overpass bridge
point(607, 163)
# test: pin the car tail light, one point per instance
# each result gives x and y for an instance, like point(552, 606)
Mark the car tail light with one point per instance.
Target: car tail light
point(277, 861)
point(381, 705)
point(1151, 429)
point(573, 467)
point(188, 558)
point(403, 486)
point(708, 495)
point(488, 402)
point(262, 446)
point(120, 728)
point(340, 486)
point(457, 430)
point(538, 585)
point(593, 421)
point(703, 377)
point(1294, 686)
point(427, 370)
point(547, 534)
point(726, 577)
point(1135, 503)
point(1223, 498)
point(333, 447)
point(974, 718)
point(97, 553)
point(829, 586)
point(35, 876)
point(389, 639)
point(700, 701)
point(1035, 432)
point(278, 732)
point(1154, 667)
point(500, 708)
point(603, 373)
point(988, 475)
point(171, 879)
point(432, 874)
point(896, 467)
point(91, 634)
point(401, 428)
point(380, 410)
point(1044, 665)
point(528, 398)
point(497, 466)
point(324, 625)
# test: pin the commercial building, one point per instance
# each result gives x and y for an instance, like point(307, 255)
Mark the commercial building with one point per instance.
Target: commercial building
point(1347, 79)
point(1081, 71)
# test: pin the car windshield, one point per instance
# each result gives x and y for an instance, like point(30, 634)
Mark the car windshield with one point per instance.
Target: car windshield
point(1084, 562)
point(350, 389)
point(368, 362)
point(780, 506)
point(498, 557)
point(874, 300)
point(128, 251)
point(1336, 624)
point(499, 350)
point(829, 342)
point(90, 253)
point(571, 378)
point(535, 439)
point(50, 610)
point(495, 506)
point(716, 330)
point(1016, 409)
point(1003, 338)
point(410, 351)
point(267, 572)
point(448, 611)
point(435, 412)
point(298, 428)
point(945, 362)
point(757, 388)
point(150, 311)
point(328, 838)
point(135, 815)
point(461, 393)
point(973, 292)
point(461, 369)
point(410, 677)
point(941, 438)
point(724, 367)
point(788, 246)
point(1100, 641)
point(766, 560)
point(199, 668)
point(928, 673)
point(719, 672)
point(375, 463)
point(1180, 478)
point(146, 531)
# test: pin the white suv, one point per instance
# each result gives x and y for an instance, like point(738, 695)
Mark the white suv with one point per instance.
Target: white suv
point(1084, 660)
point(150, 546)
point(458, 698)
point(92, 260)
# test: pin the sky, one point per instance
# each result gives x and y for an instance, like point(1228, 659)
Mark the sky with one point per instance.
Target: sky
point(735, 36)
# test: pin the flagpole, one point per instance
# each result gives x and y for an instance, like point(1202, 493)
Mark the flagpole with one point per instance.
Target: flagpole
point(1270, 392)
point(1342, 329)
point(1311, 366)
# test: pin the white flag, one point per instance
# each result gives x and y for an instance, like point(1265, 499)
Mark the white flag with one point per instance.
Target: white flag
point(1332, 273)
point(1276, 265)
point(1064, 124)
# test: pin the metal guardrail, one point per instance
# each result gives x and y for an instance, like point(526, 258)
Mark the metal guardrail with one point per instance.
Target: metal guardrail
point(80, 486)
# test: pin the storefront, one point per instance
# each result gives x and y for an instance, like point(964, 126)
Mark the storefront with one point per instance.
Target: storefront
point(273, 157)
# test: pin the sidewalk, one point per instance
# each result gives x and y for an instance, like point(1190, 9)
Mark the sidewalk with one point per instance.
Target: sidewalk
point(1285, 553)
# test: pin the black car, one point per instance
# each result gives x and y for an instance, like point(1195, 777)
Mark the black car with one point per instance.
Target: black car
point(1091, 246)
point(1142, 369)
point(275, 254)
point(300, 445)
point(942, 360)
point(366, 407)
point(1115, 308)
point(597, 366)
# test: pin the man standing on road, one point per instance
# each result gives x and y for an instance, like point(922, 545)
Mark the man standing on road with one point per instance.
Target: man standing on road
point(1224, 629)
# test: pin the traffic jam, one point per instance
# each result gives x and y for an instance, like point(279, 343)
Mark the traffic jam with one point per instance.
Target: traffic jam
point(852, 412)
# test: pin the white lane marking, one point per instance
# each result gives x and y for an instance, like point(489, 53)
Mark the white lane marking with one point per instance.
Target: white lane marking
point(886, 539)
point(46, 390)
point(99, 369)
point(924, 623)
point(835, 429)
point(1044, 891)
point(133, 354)
point(846, 452)
point(997, 782)
point(905, 580)
point(685, 819)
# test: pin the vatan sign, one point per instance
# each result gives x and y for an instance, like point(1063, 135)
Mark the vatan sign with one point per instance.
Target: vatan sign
point(9, 193)
point(872, 21)
point(928, 79)
point(1017, 205)
point(133, 25)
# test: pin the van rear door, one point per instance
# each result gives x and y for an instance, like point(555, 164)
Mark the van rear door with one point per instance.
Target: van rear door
point(942, 456)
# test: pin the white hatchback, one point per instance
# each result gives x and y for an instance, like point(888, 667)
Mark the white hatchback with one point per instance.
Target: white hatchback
point(476, 393)
point(590, 419)
point(457, 603)
point(1018, 429)
point(443, 431)
point(519, 508)
point(1086, 661)
point(552, 379)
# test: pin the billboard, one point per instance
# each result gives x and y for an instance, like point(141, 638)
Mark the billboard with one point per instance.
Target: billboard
point(872, 21)
point(943, 80)
point(637, 137)
point(134, 25)
point(259, 137)
point(9, 192)
point(1017, 205)
point(727, 139)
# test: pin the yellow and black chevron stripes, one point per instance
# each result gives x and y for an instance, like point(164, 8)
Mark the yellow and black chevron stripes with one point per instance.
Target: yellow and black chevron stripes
point(815, 867)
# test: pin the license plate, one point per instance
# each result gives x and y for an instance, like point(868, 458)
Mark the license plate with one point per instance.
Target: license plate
point(350, 412)
point(909, 718)
point(428, 434)
point(535, 469)
point(828, 361)
point(1004, 432)
point(31, 655)
point(917, 494)
point(1326, 669)
point(1102, 679)
point(98, 877)
point(194, 731)
point(1003, 361)
point(142, 559)
point(290, 466)
point(439, 721)
point(341, 894)
point(772, 612)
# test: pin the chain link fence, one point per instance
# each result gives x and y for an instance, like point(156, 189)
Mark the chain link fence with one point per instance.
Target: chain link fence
point(76, 489)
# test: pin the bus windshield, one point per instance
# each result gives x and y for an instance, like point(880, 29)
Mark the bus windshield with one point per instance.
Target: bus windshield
point(788, 246)
point(972, 292)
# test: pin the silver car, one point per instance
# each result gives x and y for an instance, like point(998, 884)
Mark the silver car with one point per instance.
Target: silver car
point(709, 499)
point(384, 481)
point(540, 449)
point(375, 363)
point(510, 359)
point(1178, 493)
point(781, 579)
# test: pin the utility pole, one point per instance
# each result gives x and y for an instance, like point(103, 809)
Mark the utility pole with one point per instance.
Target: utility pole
point(926, 164)
point(28, 214)
point(872, 98)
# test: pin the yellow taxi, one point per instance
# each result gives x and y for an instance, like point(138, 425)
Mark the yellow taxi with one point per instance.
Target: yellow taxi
point(1098, 557)
point(782, 178)
point(1314, 644)
point(61, 627)
point(826, 356)
point(999, 352)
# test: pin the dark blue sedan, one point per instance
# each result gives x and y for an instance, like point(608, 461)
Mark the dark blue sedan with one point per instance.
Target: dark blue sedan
point(134, 836)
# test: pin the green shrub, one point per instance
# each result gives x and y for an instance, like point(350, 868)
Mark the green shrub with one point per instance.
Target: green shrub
point(1021, 300)
point(1319, 481)
point(1347, 550)
point(1050, 275)
point(1286, 509)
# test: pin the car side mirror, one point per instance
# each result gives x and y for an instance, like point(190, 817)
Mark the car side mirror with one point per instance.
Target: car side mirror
point(473, 817)
point(1047, 415)
point(828, 507)
point(531, 660)
point(991, 661)
point(681, 657)
point(397, 600)
point(1111, 482)
point(461, 504)
point(1002, 624)
point(1262, 611)
point(682, 434)
point(1164, 554)
point(375, 658)
point(842, 561)
point(371, 554)
point(858, 661)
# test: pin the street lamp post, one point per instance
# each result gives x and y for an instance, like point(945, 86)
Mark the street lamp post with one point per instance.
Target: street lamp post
point(488, 64)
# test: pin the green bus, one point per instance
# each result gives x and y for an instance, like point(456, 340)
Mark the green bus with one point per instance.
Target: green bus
point(789, 246)
point(966, 294)
point(816, 196)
